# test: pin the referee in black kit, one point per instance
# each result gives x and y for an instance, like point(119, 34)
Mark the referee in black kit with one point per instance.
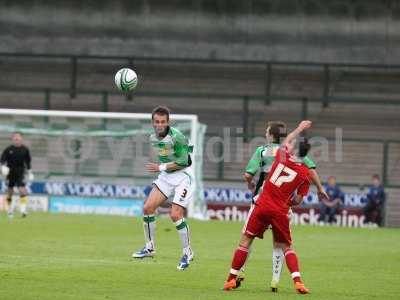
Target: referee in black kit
point(15, 161)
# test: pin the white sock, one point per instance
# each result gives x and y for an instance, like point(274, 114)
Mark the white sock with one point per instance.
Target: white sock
point(23, 208)
point(183, 231)
point(23, 202)
point(149, 226)
point(10, 210)
point(277, 262)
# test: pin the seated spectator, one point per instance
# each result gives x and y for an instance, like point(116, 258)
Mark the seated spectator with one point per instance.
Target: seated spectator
point(329, 207)
point(376, 197)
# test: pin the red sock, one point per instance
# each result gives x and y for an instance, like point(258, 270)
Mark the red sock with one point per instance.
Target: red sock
point(293, 265)
point(239, 258)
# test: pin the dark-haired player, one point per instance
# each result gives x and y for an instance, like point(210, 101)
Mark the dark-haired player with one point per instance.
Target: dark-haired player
point(288, 175)
point(261, 162)
point(173, 153)
point(15, 161)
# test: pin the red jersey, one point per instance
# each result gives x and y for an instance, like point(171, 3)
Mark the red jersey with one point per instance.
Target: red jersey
point(285, 177)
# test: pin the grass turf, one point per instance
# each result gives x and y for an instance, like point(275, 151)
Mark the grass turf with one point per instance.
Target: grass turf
point(60, 257)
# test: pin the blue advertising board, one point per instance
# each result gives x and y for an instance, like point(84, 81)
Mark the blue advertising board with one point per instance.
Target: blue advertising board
point(100, 206)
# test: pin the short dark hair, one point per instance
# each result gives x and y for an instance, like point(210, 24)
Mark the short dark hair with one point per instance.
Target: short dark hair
point(376, 176)
point(277, 129)
point(160, 110)
point(304, 146)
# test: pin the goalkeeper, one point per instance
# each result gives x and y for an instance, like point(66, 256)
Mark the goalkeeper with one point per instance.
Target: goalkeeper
point(173, 153)
point(15, 162)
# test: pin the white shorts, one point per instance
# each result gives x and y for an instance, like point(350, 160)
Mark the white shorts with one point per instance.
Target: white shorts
point(178, 183)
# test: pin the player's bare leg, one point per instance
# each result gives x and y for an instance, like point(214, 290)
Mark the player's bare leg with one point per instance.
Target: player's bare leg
point(153, 201)
point(177, 215)
point(293, 266)
point(239, 259)
point(9, 206)
point(23, 200)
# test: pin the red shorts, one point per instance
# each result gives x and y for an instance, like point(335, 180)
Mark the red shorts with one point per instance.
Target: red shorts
point(259, 219)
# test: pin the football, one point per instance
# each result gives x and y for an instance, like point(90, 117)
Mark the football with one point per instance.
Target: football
point(126, 79)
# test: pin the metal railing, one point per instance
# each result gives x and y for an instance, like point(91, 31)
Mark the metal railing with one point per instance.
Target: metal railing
point(323, 96)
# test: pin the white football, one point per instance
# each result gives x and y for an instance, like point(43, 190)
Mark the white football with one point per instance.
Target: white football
point(126, 79)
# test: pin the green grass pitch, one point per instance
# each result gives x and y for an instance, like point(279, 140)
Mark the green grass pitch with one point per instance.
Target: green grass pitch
point(60, 257)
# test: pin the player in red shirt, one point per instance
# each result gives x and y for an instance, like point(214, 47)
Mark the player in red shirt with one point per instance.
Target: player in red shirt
point(287, 175)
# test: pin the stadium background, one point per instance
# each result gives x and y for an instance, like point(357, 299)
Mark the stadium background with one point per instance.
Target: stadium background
point(335, 63)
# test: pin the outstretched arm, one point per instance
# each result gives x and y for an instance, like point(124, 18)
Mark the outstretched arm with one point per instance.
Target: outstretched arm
point(296, 200)
point(302, 191)
point(322, 195)
point(300, 128)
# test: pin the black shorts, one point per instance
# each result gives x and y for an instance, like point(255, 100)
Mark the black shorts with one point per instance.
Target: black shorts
point(16, 179)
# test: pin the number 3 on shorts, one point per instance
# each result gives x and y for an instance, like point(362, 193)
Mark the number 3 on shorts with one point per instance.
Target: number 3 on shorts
point(184, 193)
point(279, 179)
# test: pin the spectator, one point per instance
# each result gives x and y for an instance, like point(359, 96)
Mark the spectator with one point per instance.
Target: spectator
point(329, 207)
point(373, 210)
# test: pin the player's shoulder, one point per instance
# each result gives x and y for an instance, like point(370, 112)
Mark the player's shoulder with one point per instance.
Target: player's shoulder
point(297, 165)
point(304, 171)
point(176, 133)
point(9, 148)
point(274, 148)
point(152, 136)
point(259, 149)
point(269, 149)
point(174, 130)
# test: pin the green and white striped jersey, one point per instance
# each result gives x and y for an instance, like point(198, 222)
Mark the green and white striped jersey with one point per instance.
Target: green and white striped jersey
point(174, 147)
point(264, 156)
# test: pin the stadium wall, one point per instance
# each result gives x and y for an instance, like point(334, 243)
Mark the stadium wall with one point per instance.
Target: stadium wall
point(302, 30)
